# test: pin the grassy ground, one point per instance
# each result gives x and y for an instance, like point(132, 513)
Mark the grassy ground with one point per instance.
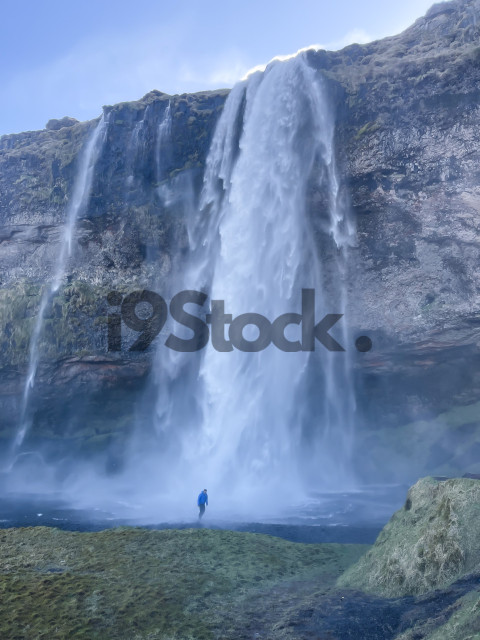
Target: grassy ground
point(137, 584)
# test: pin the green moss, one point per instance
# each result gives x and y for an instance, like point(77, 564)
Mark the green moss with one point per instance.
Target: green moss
point(73, 316)
point(17, 319)
point(132, 583)
point(368, 128)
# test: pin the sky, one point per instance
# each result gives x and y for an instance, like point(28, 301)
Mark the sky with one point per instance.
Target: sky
point(62, 58)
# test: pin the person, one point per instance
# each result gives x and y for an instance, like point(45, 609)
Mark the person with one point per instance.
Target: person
point(202, 501)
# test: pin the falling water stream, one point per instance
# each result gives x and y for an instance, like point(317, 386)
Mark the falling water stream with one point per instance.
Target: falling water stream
point(244, 423)
point(261, 429)
point(77, 204)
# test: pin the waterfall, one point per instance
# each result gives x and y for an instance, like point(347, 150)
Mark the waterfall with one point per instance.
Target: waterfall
point(162, 145)
point(134, 150)
point(268, 422)
point(76, 206)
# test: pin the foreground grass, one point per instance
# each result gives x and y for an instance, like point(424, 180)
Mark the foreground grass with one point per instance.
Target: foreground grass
point(132, 583)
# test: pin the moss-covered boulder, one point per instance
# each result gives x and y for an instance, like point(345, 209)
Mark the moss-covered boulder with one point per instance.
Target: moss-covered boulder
point(428, 544)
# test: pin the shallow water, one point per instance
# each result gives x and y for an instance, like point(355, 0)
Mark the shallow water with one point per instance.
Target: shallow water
point(355, 517)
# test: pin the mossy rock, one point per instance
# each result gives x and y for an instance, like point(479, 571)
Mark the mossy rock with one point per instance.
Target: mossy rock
point(368, 128)
point(428, 544)
point(73, 320)
point(55, 124)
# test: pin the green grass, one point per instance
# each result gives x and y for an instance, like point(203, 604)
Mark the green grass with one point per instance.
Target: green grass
point(368, 128)
point(135, 584)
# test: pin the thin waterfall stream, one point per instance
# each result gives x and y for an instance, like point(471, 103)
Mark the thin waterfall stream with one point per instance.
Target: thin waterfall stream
point(77, 204)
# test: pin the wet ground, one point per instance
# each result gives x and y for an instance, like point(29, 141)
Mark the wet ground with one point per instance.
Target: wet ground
point(309, 611)
point(355, 517)
point(355, 615)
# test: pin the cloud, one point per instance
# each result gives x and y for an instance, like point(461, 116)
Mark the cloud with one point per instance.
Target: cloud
point(358, 36)
point(106, 70)
point(208, 73)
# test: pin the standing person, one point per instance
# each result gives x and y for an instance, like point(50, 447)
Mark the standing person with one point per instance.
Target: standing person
point(202, 502)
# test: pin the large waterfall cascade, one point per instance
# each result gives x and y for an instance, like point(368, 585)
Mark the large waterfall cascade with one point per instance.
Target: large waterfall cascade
point(260, 429)
point(244, 423)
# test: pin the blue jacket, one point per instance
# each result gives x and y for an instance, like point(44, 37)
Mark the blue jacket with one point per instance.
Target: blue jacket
point(202, 499)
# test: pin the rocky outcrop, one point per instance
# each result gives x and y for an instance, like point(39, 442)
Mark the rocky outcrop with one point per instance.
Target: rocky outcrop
point(408, 148)
point(409, 145)
point(55, 124)
point(428, 544)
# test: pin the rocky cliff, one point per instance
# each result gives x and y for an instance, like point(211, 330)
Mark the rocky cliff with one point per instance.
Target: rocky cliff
point(127, 239)
point(408, 149)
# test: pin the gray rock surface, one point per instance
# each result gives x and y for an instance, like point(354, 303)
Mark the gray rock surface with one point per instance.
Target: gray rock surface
point(55, 124)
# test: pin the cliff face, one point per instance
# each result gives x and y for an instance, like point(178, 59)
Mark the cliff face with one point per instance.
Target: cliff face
point(127, 239)
point(408, 140)
point(408, 148)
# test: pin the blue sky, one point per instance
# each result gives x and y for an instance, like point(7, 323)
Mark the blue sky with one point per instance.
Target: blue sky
point(59, 58)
